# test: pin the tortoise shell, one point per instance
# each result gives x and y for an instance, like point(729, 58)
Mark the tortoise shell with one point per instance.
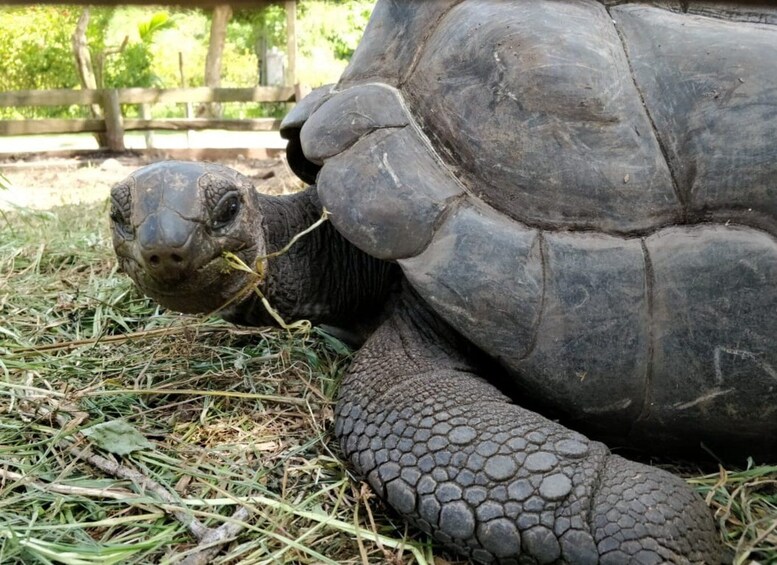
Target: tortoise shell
point(585, 191)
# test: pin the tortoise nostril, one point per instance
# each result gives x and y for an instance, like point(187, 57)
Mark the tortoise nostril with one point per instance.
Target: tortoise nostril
point(166, 263)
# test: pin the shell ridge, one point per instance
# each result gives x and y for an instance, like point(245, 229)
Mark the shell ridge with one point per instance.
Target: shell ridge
point(363, 121)
point(681, 193)
point(537, 324)
point(427, 143)
point(424, 40)
point(446, 163)
point(385, 163)
point(411, 122)
point(450, 205)
point(381, 204)
point(480, 258)
point(650, 282)
point(729, 13)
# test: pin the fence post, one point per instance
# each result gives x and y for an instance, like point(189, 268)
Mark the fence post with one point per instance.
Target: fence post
point(145, 113)
point(188, 106)
point(291, 42)
point(300, 91)
point(114, 123)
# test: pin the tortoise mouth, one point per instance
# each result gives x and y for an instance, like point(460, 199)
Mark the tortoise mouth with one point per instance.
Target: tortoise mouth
point(203, 289)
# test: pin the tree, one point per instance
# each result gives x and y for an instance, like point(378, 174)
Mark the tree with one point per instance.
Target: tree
point(36, 51)
point(218, 35)
point(85, 68)
point(133, 65)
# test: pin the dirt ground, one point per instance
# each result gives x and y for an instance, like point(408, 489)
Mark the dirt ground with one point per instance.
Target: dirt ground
point(43, 182)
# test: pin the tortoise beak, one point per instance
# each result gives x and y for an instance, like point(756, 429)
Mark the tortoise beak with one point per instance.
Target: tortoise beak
point(167, 245)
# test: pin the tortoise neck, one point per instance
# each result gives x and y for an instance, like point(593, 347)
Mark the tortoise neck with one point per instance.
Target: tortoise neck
point(322, 277)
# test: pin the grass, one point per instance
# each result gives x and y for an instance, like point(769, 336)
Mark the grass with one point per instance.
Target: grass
point(235, 418)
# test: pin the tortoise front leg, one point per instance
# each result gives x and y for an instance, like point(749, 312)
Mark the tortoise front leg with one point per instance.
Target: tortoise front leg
point(492, 480)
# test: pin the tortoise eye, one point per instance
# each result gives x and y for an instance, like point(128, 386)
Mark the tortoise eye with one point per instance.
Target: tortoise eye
point(226, 211)
point(120, 221)
point(121, 208)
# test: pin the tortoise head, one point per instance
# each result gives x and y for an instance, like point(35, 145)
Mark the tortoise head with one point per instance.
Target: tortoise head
point(173, 222)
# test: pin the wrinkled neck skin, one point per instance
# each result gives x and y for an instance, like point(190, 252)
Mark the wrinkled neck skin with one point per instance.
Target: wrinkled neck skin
point(322, 277)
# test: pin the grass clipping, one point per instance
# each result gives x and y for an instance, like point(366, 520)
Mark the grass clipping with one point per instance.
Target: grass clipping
point(229, 446)
point(256, 281)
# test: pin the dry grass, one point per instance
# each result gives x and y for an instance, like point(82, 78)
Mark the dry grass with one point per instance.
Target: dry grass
point(236, 419)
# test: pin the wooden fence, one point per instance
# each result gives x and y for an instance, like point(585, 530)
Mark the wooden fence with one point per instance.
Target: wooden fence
point(113, 124)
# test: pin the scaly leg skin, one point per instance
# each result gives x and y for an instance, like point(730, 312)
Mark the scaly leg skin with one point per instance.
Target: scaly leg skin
point(492, 480)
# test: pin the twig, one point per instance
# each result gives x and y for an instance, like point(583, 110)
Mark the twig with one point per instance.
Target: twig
point(73, 344)
point(317, 517)
point(197, 392)
point(195, 527)
point(116, 494)
point(211, 543)
point(210, 539)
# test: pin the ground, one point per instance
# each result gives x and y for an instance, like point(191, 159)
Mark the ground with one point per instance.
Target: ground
point(42, 181)
point(216, 417)
point(208, 418)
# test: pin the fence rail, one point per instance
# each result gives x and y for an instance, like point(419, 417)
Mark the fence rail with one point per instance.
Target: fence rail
point(112, 122)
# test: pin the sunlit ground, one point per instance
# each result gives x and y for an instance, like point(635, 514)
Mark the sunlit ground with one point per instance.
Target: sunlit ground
point(163, 140)
point(48, 181)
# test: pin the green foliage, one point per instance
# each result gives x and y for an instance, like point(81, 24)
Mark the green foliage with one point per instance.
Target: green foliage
point(157, 22)
point(37, 55)
point(249, 26)
point(132, 68)
point(187, 37)
point(133, 64)
point(35, 47)
point(327, 35)
point(99, 22)
point(134, 46)
point(345, 32)
point(128, 46)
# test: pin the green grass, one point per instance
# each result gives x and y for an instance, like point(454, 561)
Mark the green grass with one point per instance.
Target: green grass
point(235, 417)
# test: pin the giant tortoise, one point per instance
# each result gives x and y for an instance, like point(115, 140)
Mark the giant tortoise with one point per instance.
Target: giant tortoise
point(556, 207)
